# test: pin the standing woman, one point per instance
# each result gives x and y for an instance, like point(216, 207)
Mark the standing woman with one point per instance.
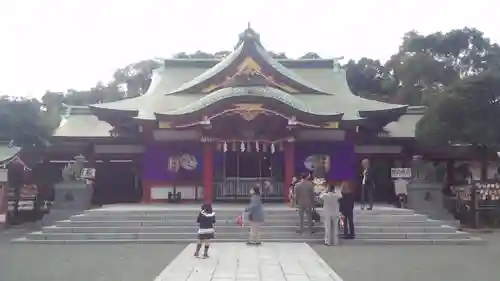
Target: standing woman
point(293, 199)
point(331, 214)
point(255, 215)
point(347, 209)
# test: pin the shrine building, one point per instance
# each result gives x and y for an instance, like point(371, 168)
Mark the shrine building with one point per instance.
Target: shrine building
point(208, 130)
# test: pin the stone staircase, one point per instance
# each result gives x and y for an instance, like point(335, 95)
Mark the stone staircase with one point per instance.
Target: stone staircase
point(176, 224)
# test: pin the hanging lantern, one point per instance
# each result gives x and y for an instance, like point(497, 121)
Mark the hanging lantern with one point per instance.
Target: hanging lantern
point(242, 147)
point(273, 148)
point(249, 146)
point(234, 146)
point(224, 146)
point(257, 148)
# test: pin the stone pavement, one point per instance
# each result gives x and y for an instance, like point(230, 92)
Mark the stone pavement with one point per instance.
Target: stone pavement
point(118, 262)
point(416, 263)
point(238, 261)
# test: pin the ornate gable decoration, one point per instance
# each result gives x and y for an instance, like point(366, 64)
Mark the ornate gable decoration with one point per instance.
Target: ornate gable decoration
point(249, 111)
point(249, 74)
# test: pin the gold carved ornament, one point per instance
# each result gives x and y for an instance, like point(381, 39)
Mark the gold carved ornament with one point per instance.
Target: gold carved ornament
point(249, 111)
point(250, 67)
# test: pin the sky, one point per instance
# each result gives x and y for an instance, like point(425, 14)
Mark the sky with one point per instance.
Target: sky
point(61, 44)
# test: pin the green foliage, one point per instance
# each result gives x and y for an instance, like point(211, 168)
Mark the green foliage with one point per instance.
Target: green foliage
point(370, 79)
point(426, 64)
point(468, 112)
point(23, 121)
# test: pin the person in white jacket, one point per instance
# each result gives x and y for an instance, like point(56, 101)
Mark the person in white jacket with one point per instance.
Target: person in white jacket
point(331, 214)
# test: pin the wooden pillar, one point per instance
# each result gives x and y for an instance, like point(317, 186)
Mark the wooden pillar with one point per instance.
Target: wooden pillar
point(208, 171)
point(289, 168)
point(147, 138)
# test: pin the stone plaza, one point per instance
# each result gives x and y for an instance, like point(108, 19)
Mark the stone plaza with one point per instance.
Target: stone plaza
point(238, 261)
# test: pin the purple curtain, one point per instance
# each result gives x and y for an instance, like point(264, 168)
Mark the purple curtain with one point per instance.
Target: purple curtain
point(170, 162)
point(342, 158)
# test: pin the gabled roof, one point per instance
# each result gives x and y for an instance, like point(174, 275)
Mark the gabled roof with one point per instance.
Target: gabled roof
point(405, 127)
point(311, 87)
point(249, 57)
point(78, 121)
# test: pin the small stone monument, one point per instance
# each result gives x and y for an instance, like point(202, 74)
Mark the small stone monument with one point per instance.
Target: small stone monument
point(425, 191)
point(73, 194)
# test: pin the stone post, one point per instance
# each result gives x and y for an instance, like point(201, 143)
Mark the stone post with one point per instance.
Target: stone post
point(425, 193)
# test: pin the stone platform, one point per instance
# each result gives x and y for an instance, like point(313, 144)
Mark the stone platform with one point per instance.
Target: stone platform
point(176, 223)
point(237, 261)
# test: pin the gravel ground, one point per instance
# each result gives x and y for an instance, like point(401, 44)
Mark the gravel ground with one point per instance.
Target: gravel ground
point(23, 262)
point(409, 263)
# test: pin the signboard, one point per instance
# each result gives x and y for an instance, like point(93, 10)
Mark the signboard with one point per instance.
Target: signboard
point(88, 173)
point(3, 204)
point(3, 175)
point(401, 173)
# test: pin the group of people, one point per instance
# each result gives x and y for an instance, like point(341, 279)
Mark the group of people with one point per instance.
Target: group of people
point(338, 210)
point(338, 204)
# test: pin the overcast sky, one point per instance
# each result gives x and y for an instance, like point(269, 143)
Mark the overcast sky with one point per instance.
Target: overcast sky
point(61, 44)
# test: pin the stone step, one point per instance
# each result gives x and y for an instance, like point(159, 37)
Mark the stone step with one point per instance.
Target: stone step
point(130, 223)
point(357, 241)
point(290, 217)
point(313, 240)
point(191, 213)
point(239, 229)
point(465, 241)
point(454, 241)
point(265, 235)
point(310, 240)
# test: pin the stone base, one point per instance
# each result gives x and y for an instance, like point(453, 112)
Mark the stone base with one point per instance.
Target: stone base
point(427, 198)
point(56, 215)
point(70, 198)
point(76, 195)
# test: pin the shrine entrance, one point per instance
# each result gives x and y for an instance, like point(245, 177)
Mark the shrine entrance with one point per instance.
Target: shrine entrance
point(240, 171)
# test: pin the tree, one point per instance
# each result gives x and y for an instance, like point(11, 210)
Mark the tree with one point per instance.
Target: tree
point(52, 103)
point(275, 55)
point(221, 54)
point(370, 79)
point(134, 78)
point(465, 113)
point(310, 55)
point(130, 81)
point(426, 64)
point(23, 121)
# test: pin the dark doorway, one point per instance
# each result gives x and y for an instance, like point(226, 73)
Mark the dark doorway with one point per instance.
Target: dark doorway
point(384, 186)
point(252, 165)
point(243, 170)
point(117, 182)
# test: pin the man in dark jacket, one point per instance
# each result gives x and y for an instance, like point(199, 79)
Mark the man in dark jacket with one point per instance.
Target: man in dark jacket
point(367, 186)
point(305, 196)
point(346, 206)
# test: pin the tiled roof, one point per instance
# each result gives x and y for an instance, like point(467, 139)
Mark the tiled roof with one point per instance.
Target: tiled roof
point(78, 121)
point(8, 152)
